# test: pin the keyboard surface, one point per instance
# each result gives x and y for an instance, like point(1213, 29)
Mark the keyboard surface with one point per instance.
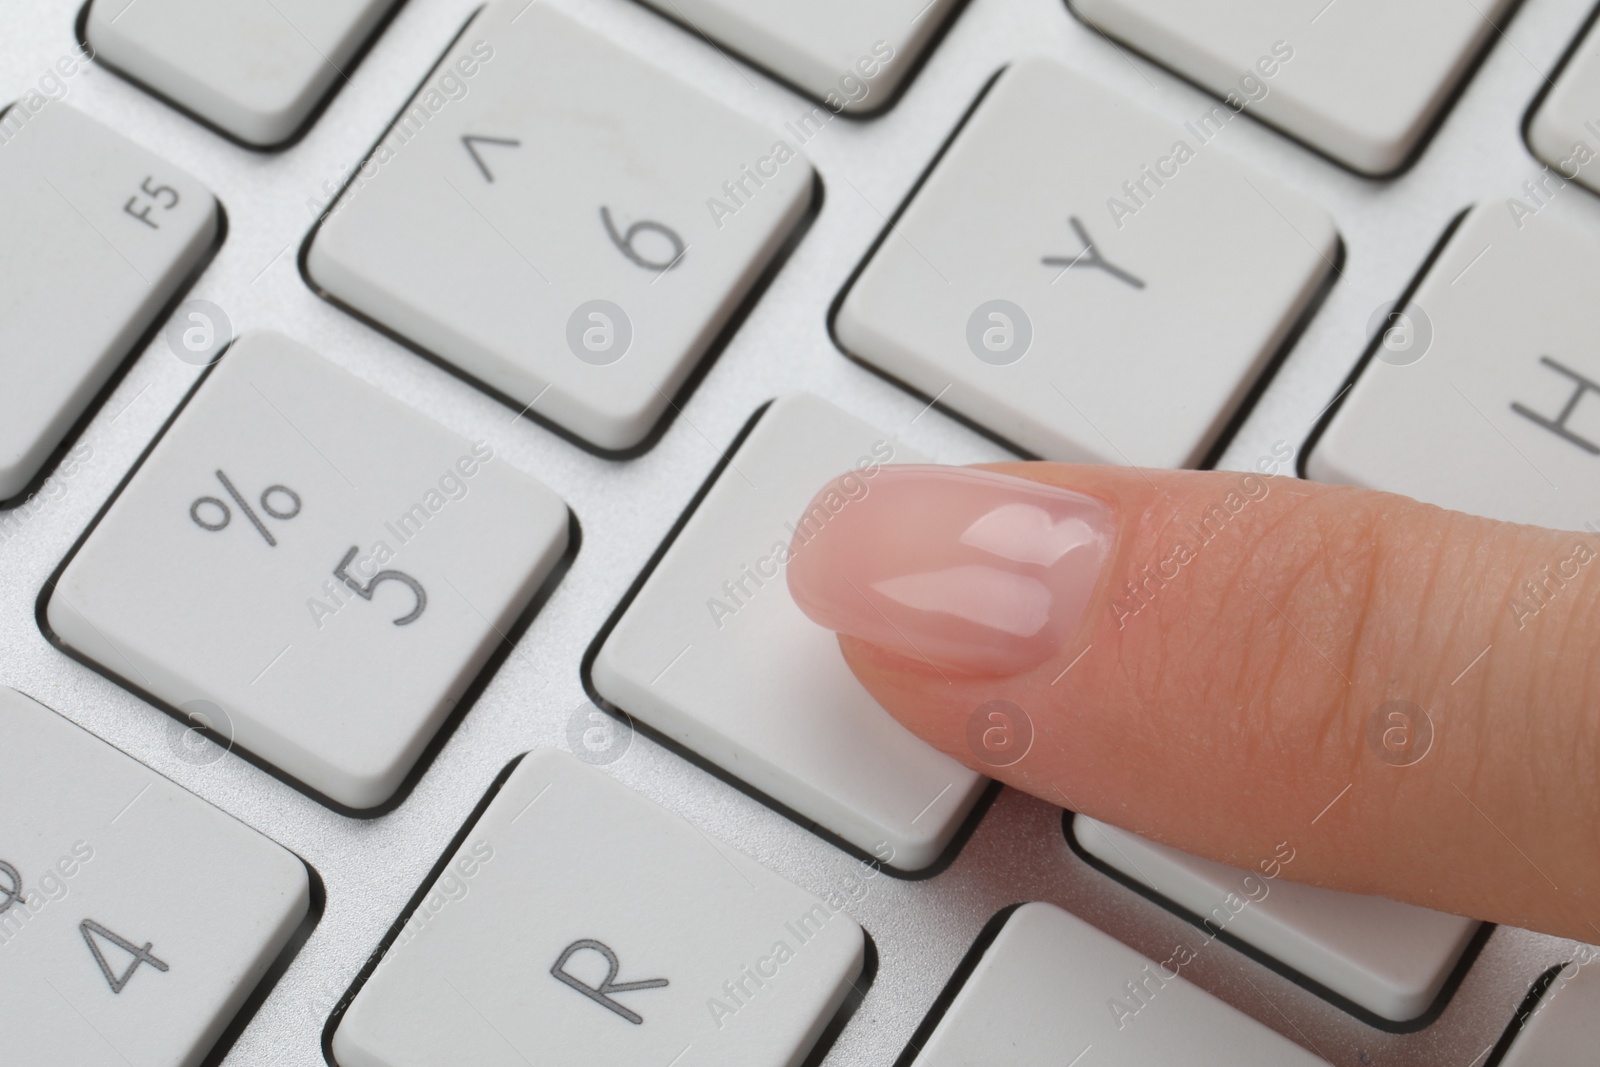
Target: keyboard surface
point(536, 696)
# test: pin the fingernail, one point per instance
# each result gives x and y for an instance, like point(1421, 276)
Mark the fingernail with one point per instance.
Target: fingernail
point(964, 569)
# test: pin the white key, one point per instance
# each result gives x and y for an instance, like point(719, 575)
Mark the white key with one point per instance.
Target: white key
point(99, 235)
point(581, 923)
point(848, 54)
point(1565, 131)
point(1052, 990)
point(135, 918)
point(571, 231)
point(1389, 958)
point(314, 570)
point(1360, 80)
point(1564, 1029)
point(1486, 398)
point(254, 68)
point(1036, 290)
point(715, 654)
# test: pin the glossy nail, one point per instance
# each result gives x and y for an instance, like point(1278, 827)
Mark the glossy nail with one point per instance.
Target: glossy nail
point(964, 569)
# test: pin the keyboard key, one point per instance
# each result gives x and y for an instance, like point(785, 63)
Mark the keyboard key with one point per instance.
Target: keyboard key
point(574, 231)
point(1087, 281)
point(1564, 1029)
point(254, 68)
point(1485, 397)
point(135, 918)
point(713, 652)
point(1391, 959)
point(1363, 81)
point(850, 55)
point(1565, 131)
point(311, 569)
point(581, 923)
point(1052, 988)
point(99, 236)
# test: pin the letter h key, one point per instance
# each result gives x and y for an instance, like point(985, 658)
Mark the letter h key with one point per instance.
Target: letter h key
point(1558, 425)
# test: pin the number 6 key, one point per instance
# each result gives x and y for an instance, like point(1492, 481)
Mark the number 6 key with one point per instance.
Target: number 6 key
point(573, 229)
point(314, 571)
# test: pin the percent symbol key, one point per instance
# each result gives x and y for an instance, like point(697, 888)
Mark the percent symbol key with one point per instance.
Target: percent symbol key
point(278, 501)
point(345, 573)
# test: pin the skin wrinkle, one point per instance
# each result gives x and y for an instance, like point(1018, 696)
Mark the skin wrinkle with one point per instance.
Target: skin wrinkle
point(1581, 629)
point(1313, 549)
point(1221, 607)
point(1194, 629)
point(1208, 723)
point(1232, 592)
point(1589, 764)
point(1575, 622)
point(1360, 653)
point(1439, 558)
point(1525, 686)
point(1468, 576)
point(1134, 547)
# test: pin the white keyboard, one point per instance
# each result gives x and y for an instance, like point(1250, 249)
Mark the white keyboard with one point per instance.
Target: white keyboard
point(136, 917)
point(1386, 958)
point(405, 408)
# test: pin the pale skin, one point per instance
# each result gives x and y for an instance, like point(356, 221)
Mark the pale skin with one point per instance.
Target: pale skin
point(1231, 712)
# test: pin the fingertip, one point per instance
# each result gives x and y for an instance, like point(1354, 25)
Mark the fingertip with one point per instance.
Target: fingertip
point(964, 569)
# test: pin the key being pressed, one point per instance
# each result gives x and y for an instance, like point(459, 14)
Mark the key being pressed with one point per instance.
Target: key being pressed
point(850, 55)
point(1484, 394)
point(1360, 80)
point(1391, 959)
point(580, 923)
point(563, 222)
point(135, 918)
point(254, 68)
point(310, 569)
point(1565, 131)
point(714, 653)
point(1087, 281)
point(99, 235)
point(1053, 990)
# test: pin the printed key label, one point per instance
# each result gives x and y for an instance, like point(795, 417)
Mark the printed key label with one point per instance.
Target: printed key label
point(668, 251)
point(150, 198)
point(601, 994)
point(214, 515)
point(93, 933)
point(280, 503)
point(342, 573)
point(10, 887)
point(1559, 424)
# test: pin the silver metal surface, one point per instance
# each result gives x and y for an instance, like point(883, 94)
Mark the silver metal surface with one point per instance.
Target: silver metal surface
point(922, 928)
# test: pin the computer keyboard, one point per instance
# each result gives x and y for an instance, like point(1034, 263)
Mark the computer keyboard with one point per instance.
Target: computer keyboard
point(161, 966)
point(533, 134)
point(603, 929)
point(71, 182)
point(1360, 80)
point(255, 72)
point(1379, 956)
point(1053, 989)
point(319, 569)
point(1509, 427)
point(402, 408)
point(1562, 128)
point(1165, 275)
point(688, 655)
